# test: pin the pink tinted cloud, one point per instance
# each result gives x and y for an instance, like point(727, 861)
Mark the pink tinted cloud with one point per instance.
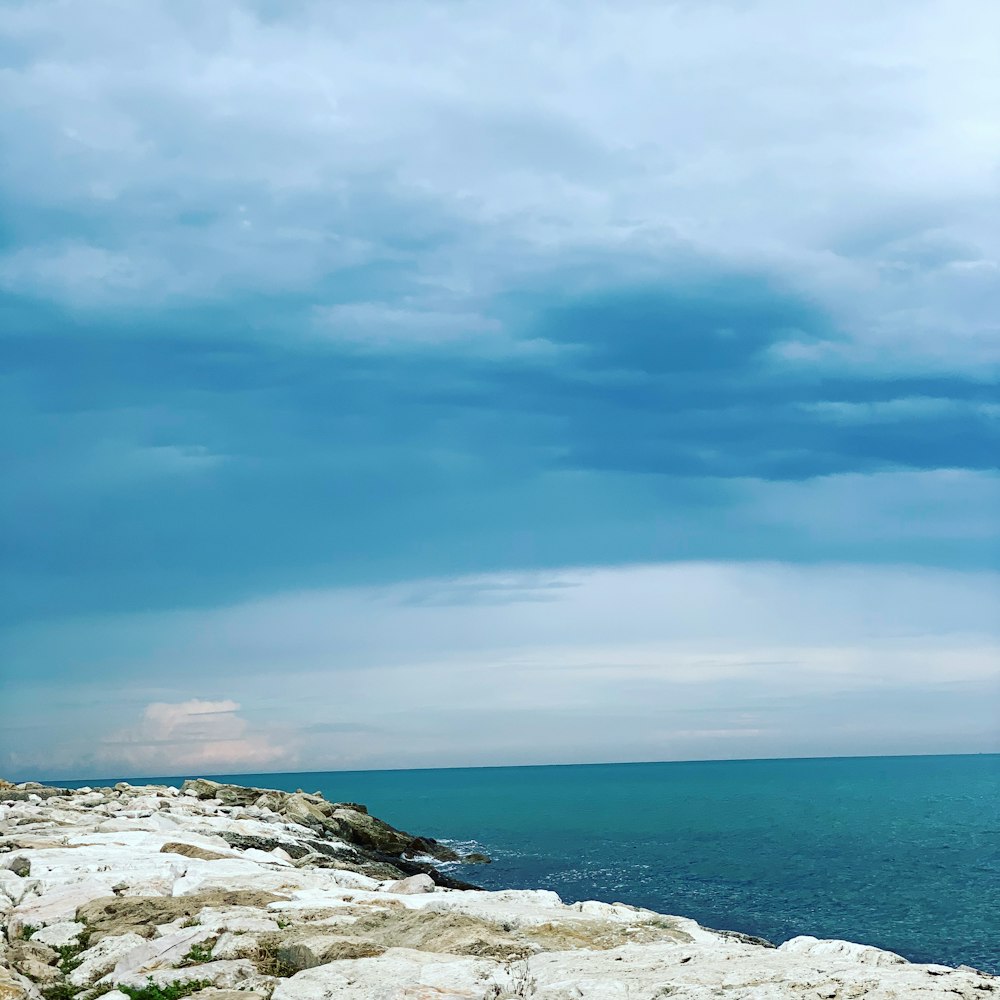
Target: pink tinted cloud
point(195, 735)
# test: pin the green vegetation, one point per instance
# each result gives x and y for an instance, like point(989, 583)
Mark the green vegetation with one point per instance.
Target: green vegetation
point(69, 957)
point(264, 955)
point(26, 931)
point(199, 953)
point(172, 991)
point(59, 991)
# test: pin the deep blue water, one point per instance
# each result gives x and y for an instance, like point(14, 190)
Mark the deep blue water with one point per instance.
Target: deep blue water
point(899, 852)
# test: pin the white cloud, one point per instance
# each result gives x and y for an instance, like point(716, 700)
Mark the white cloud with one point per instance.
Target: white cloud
point(841, 148)
point(642, 662)
point(194, 735)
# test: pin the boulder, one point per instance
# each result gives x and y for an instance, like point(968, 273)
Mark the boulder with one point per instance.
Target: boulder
point(55, 907)
point(861, 953)
point(224, 974)
point(99, 960)
point(300, 810)
point(237, 919)
point(39, 972)
point(237, 795)
point(141, 914)
point(14, 986)
point(18, 864)
point(214, 993)
point(399, 973)
point(192, 851)
point(411, 886)
point(274, 801)
point(22, 952)
point(319, 949)
point(60, 935)
point(166, 951)
point(201, 788)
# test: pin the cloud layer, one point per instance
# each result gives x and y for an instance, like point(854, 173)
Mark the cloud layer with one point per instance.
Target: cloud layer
point(683, 660)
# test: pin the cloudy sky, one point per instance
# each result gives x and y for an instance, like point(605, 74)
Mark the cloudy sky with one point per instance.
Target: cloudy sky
point(427, 383)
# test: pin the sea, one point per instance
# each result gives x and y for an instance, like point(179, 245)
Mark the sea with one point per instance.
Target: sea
point(899, 852)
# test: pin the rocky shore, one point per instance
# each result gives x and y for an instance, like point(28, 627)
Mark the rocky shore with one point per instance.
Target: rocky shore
point(220, 892)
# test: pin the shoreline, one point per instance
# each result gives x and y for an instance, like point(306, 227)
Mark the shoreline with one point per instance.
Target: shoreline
point(225, 887)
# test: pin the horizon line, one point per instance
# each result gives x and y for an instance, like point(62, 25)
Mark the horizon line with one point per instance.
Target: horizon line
point(482, 767)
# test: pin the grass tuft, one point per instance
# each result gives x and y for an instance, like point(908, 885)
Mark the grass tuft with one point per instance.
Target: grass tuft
point(199, 953)
point(172, 991)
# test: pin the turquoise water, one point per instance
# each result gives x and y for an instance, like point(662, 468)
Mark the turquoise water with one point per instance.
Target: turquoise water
point(899, 852)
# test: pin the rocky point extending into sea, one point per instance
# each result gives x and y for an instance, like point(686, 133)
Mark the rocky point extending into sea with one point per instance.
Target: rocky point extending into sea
point(220, 892)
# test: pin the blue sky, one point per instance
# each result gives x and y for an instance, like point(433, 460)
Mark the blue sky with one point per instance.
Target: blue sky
point(421, 383)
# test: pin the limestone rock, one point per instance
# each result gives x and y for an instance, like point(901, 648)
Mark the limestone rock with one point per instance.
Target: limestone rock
point(225, 974)
point(55, 907)
point(141, 914)
point(300, 810)
point(103, 957)
point(864, 954)
point(411, 886)
point(214, 993)
point(60, 935)
point(237, 795)
point(39, 972)
point(22, 952)
point(319, 949)
point(389, 975)
point(18, 864)
point(192, 851)
point(237, 919)
point(274, 801)
point(156, 954)
point(201, 788)
point(16, 987)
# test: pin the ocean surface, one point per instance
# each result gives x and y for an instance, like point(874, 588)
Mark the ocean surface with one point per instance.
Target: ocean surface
point(898, 852)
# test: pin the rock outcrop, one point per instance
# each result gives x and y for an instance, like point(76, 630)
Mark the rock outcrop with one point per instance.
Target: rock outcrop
point(221, 892)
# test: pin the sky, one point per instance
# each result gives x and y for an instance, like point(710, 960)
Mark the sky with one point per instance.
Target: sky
point(437, 384)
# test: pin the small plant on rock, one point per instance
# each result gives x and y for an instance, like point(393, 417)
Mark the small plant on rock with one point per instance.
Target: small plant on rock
point(59, 991)
point(69, 957)
point(172, 991)
point(264, 955)
point(198, 953)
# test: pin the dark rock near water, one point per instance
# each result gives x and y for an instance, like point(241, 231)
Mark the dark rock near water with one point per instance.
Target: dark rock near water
point(292, 848)
point(744, 938)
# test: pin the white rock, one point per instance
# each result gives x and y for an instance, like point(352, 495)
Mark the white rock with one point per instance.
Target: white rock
point(266, 857)
point(222, 974)
point(847, 950)
point(237, 918)
point(14, 889)
point(158, 953)
point(411, 886)
point(102, 957)
point(390, 974)
point(232, 945)
point(59, 935)
point(58, 906)
point(14, 986)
